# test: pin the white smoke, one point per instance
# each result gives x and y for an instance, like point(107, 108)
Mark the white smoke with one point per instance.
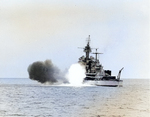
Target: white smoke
point(76, 74)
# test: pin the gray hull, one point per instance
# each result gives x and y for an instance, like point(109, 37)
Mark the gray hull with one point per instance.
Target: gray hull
point(105, 83)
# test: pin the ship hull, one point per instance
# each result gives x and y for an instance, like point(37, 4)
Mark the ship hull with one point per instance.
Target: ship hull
point(106, 83)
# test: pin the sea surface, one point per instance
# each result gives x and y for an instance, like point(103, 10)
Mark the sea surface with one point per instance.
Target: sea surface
point(27, 98)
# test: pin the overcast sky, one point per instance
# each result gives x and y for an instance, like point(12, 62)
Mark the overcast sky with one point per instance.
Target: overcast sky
point(36, 30)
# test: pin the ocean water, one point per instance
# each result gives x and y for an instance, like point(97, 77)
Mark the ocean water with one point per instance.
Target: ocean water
point(27, 98)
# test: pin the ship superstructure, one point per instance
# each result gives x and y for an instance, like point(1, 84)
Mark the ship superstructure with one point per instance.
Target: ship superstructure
point(95, 74)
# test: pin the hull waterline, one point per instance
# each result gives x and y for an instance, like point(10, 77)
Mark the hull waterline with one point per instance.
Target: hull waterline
point(105, 83)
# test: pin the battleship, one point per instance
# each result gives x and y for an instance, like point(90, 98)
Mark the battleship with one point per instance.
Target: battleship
point(95, 74)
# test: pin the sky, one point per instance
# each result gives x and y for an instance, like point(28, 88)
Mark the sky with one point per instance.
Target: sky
point(36, 30)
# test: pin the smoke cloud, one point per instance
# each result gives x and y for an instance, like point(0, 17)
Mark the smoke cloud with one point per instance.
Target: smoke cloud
point(76, 74)
point(45, 72)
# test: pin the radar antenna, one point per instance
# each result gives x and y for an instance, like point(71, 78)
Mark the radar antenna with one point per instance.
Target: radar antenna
point(96, 53)
point(88, 40)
